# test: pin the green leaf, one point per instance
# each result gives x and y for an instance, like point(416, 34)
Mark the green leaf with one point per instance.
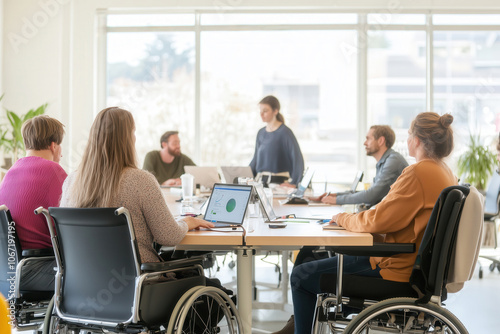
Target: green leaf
point(35, 112)
point(12, 139)
point(477, 163)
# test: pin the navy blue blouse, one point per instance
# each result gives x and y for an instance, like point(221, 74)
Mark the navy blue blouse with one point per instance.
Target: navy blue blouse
point(278, 151)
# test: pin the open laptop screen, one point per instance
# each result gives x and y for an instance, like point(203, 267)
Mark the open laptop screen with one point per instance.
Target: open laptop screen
point(205, 176)
point(302, 187)
point(228, 204)
point(232, 172)
point(357, 180)
point(266, 204)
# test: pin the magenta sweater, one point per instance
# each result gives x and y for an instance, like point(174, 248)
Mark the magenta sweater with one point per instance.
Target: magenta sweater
point(30, 183)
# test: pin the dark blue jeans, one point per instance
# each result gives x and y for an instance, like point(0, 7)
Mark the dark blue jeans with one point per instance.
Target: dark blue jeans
point(305, 284)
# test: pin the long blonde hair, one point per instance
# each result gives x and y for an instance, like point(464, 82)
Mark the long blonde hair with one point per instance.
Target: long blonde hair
point(110, 149)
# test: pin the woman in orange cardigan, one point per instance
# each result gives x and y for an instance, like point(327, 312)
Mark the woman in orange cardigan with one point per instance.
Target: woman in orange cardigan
point(402, 216)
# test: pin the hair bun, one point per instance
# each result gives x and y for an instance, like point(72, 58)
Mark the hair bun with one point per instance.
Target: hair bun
point(446, 120)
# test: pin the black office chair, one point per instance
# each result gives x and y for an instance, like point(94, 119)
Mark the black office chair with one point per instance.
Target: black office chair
point(29, 306)
point(414, 307)
point(491, 212)
point(101, 284)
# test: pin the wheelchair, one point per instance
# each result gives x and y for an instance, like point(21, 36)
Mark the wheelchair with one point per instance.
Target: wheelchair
point(358, 304)
point(102, 286)
point(27, 309)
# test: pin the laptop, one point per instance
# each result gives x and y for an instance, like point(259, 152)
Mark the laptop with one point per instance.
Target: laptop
point(231, 173)
point(204, 176)
point(297, 197)
point(357, 179)
point(228, 204)
point(265, 204)
point(269, 213)
point(304, 183)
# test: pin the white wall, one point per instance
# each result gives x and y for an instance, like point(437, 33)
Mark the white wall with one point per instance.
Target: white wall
point(32, 44)
point(49, 49)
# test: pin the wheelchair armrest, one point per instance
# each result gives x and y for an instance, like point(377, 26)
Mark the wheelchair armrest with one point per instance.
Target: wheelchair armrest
point(38, 252)
point(378, 249)
point(169, 265)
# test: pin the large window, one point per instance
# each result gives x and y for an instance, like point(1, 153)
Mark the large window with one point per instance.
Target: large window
point(203, 74)
point(396, 81)
point(152, 75)
point(306, 70)
point(467, 82)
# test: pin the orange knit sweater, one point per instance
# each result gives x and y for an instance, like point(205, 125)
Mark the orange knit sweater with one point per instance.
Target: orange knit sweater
point(403, 214)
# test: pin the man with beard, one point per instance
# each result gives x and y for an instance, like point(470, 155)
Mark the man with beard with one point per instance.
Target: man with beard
point(390, 164)
point(167, 164)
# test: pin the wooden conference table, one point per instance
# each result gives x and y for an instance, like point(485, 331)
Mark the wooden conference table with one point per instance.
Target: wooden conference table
point(260, 237)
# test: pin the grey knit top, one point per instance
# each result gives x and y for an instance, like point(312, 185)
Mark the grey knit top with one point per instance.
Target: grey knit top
point(140, 193)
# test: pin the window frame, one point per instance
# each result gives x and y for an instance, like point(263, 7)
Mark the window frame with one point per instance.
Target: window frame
point(361, 27)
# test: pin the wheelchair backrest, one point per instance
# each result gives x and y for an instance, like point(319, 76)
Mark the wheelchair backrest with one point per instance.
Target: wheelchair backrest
point(432, 263)
point(99, 263)
point(10, 251)
point(468, 242)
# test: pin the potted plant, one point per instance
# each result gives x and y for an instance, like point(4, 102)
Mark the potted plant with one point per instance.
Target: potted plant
point(477, 164)
point(11, 138)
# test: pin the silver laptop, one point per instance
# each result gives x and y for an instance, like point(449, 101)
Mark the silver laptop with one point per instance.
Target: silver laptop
point(357, 179)
point(228, 204)
point(266, 205)
point(304, 183)
point(231, 173)
point(204, 176)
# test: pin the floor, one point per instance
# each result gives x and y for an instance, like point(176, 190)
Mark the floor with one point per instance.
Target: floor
point(476, 305)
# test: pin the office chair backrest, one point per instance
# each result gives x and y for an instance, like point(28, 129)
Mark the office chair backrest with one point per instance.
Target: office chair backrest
point(429, 273)
point(10, 250)
point(492, 196)
point(99, 261)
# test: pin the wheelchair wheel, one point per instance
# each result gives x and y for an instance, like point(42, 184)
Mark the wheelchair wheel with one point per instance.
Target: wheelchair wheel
point(204, 310)
point(402, 315)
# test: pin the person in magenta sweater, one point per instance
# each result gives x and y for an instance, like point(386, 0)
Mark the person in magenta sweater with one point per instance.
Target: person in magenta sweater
point(33, 181)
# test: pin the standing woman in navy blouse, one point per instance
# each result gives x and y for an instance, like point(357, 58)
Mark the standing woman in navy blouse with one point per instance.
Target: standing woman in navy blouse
point(276, 149)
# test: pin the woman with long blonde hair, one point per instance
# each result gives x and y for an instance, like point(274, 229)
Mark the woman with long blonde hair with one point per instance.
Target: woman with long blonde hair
point(108, 177)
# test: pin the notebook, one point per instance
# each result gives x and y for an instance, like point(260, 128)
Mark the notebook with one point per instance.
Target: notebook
point(333, 226)
point(204, 176)
point(228, 204)
point(231, 173)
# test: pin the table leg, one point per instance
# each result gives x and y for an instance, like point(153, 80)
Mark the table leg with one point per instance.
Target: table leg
point(284, 276)
point(244, 279)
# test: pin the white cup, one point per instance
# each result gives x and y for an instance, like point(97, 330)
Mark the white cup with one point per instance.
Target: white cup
point(187, 185)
